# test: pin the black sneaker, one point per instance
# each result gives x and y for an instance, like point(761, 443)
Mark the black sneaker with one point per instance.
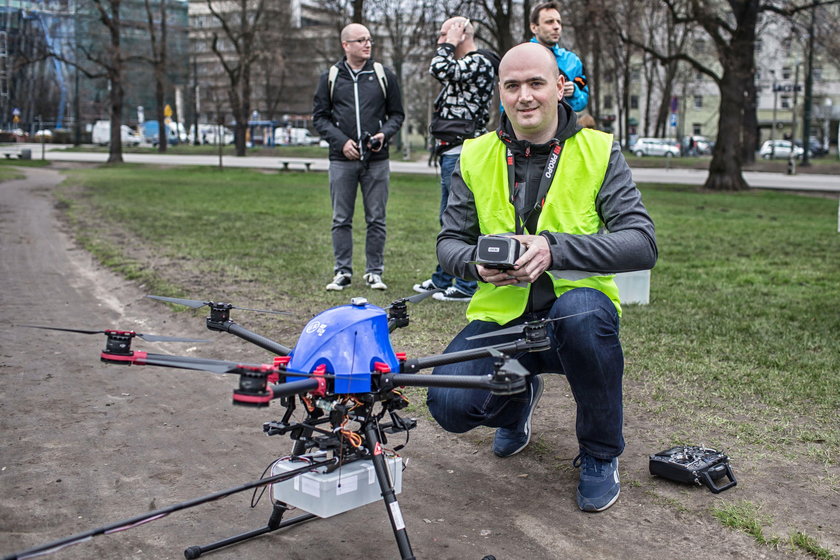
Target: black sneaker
point(341, 281)
point(452, 294)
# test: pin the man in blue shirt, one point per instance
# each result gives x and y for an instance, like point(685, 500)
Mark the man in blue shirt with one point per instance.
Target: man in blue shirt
point(547, 27)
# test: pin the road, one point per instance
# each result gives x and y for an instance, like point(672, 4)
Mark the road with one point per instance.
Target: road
point(800, 182)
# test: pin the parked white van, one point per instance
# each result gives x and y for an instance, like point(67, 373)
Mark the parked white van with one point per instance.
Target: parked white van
point(101, 134)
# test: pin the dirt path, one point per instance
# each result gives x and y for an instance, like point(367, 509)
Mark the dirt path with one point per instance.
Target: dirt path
point(86, 444)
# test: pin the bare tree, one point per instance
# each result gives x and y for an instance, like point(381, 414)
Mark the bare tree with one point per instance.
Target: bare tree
point(158, 62)
point(236, 49)
point(409, 26)
point(731, 26)
point(494, 21)
point(111, 63)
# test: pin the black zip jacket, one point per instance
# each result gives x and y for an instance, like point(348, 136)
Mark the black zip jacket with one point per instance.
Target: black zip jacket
point(357, 108)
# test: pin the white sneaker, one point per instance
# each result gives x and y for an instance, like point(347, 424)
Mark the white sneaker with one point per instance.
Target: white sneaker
point(425, 286)
point(341, 281)
point(374, 281)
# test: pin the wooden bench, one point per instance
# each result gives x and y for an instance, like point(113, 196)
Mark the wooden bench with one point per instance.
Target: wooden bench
point(286, 163)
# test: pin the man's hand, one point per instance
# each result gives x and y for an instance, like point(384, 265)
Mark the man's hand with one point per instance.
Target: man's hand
point(568, 89)
point(381, 137)
point(456, 33)
point(351, 150)
point(531, 264)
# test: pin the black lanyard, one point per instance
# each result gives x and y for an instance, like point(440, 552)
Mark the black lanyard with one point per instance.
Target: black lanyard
point(545, 183)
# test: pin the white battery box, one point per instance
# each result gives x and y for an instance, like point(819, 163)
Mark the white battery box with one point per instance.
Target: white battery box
point(327, 494)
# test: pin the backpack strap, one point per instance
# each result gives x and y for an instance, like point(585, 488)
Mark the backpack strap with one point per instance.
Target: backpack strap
point(380, 77)
point(331, 79)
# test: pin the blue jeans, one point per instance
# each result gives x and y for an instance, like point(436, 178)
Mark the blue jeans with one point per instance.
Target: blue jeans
point(441, 278)
point(585, 348)
point(345, 179)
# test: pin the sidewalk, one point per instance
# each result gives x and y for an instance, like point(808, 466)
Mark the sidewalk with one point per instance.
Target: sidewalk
point(781, 181)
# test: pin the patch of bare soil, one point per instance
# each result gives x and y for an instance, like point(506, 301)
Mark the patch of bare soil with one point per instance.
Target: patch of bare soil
point(87, 443)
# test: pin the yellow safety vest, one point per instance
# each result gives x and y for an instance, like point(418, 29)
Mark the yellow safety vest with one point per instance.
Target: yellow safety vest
point(569, 208)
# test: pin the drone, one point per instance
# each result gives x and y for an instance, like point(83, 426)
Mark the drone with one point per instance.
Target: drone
point(346, 376)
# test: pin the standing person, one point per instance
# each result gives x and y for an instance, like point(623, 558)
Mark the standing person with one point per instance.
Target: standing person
point(567, 195)
point(358, 108)
point(468, 76)
point(547, 28)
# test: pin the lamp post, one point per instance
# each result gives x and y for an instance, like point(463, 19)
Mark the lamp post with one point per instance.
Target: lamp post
point(773, 129)
point(792, 157)
point(809, 85)
point(826, 134)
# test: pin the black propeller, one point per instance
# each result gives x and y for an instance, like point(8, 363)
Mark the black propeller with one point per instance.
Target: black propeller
point(416, 298)
point(195, 304)
point(524, 326)
point(146, 337)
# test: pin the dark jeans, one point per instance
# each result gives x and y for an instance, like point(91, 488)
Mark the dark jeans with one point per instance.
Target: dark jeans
point(441, 278)
point(585, 348)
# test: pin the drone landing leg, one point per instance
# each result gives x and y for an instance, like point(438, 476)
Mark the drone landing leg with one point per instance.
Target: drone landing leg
point(274, 522)
point(388, 493)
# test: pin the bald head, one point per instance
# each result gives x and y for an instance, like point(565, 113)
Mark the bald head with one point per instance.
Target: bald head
point(357, 44)
point(531, 55)
point(459, 32)
point(352, 30)
point(530, 87)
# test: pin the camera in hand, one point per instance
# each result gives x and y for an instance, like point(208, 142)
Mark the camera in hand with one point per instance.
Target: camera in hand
point(497, 251)
point(368, 145)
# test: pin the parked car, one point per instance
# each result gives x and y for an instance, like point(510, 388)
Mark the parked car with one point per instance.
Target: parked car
point(101, 134)
point(175, 133)
point(815, 147)
point(779, 149)
point(697, 146)
point(213, 133)
point(292, 136)
point(656, 147)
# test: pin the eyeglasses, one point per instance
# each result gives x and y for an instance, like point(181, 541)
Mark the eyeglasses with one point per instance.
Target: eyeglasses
point(361, 41)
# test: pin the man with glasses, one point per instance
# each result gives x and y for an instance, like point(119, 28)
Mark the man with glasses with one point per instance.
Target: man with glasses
point(357, 109)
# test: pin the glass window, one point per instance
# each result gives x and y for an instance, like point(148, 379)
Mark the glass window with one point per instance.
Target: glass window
point(698, 101)
point(634, 101)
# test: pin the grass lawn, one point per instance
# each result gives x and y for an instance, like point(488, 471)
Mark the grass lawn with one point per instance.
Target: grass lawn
point(738, 349)
point(742, 327)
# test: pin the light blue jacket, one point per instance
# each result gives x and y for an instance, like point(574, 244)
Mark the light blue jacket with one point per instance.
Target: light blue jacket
point(569, 63)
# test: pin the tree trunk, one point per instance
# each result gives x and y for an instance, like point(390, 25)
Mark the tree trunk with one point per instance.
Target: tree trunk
point(116, 102)
point(115, 76)
point(749, 127)
point(725, 167)
point(163, 137)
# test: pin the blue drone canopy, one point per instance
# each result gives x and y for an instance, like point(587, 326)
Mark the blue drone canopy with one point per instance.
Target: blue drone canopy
point(348, 340)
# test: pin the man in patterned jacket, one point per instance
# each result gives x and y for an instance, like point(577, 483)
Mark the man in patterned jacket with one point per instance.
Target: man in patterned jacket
point(468, 76)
